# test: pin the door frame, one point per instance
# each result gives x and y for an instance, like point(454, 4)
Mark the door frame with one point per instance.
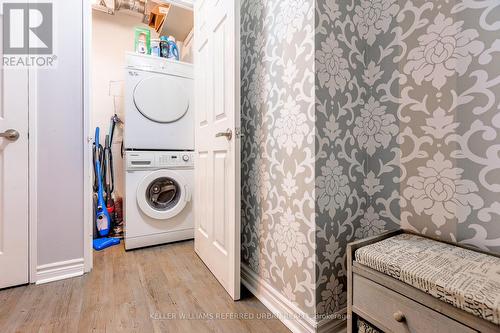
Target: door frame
point(88, 227)
point(32, 175)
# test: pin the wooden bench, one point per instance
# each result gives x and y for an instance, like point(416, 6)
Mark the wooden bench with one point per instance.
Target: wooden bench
point(392, 305)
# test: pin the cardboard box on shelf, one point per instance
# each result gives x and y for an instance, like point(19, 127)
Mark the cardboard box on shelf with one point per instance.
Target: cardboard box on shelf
point(158, 15)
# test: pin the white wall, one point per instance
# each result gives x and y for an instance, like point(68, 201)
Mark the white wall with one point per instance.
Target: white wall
point(112, 36)
point(60, 142)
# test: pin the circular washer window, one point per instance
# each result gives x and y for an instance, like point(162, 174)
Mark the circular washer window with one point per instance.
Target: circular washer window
point(168, 106)
point(162, 194)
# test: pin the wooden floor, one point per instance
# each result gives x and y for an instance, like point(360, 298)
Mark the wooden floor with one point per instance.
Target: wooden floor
point(146, 290)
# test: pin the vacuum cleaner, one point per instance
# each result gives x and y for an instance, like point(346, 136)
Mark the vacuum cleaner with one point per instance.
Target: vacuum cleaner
point(102, 217)
point(114, 205)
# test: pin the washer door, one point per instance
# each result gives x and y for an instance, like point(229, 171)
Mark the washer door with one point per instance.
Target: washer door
point(163, 194)
point(160, 99)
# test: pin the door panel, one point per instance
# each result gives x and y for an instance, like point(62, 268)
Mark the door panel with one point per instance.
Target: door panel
point(201, 189)
point(220, 190)
point(13, 175)
point(217, 169)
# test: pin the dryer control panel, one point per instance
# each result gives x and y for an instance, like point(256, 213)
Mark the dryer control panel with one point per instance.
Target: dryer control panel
point(140, 160)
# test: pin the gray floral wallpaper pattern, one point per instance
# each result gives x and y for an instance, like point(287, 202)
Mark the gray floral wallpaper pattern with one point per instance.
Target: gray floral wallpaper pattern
point(448, 106)
point(277, 59)
point(362, 116)
point(413, 129)
point(352, 127)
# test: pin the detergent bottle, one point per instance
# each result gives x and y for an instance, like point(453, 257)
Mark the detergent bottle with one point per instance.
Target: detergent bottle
point(164, 47)
point(173, 50)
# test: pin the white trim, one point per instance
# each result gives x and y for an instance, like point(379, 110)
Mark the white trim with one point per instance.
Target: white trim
point(32, 173)
point(290, 314)
point(59, 271)
point(188, 4)
point(292, 317)
point(88, 227)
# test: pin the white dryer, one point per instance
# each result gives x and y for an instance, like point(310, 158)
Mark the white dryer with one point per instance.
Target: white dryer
point(159, 106)
point(158, 202)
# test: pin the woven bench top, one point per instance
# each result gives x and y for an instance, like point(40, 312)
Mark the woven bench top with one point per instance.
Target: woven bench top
point(464, 278)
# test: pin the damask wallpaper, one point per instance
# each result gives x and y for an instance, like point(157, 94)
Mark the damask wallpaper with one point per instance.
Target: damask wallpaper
point(278, 154)
point(362, 116)
point(342, 143)
point(408, 124)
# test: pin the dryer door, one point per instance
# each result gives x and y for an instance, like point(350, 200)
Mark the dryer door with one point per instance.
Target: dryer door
point(160, 99)
point(163, 194)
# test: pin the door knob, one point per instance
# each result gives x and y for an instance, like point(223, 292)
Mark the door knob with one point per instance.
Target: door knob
point(10, 134)
point(227, 134)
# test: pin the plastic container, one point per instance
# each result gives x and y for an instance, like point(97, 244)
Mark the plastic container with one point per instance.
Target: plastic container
point(173, 50)
point(155, 47)
point(164, 47)
point(142, 40)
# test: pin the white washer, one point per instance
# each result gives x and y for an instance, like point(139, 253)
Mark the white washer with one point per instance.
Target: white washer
point(158, 202)
point(159, 106)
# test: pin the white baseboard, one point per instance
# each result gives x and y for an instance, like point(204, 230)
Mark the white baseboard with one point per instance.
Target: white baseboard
point(59, 271)
point(290, 315)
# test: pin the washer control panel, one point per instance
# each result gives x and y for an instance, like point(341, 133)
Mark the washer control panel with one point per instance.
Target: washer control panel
point(137, 160)
point(175, 159)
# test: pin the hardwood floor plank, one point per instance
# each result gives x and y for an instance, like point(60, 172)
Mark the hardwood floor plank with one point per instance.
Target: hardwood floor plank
point(130, 302)
point(9, 298)
point(158, 289)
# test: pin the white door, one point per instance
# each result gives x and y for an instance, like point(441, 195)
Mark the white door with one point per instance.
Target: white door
point(13, 176)
point(217, 163)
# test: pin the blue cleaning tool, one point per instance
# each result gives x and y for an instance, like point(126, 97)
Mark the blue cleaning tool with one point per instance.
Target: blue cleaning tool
point(103, 243)
point(102, 218)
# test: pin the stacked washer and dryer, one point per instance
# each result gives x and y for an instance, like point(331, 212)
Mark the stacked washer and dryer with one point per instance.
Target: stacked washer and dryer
point(159, 146)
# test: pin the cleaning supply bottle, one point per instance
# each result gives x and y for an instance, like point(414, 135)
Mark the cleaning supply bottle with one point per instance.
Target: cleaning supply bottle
point(173, 50)
point(155, 47)
point(142, 40)
point(164, 47)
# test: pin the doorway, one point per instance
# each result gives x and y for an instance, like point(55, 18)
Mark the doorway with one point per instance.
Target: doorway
point(216, 67)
